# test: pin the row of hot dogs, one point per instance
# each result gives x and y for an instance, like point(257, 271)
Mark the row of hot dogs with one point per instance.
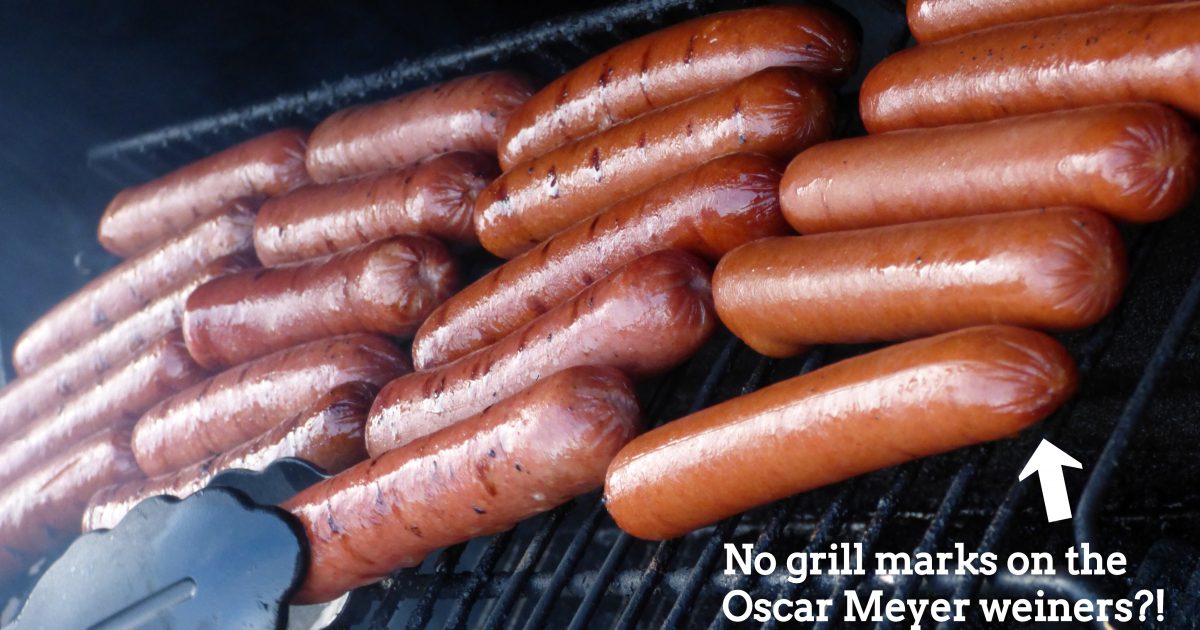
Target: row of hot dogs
point(623, 181)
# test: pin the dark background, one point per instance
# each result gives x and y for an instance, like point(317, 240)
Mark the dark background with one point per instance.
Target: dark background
point(75, 74)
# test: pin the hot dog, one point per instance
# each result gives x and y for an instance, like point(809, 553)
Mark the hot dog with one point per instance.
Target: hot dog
point(1059, 269)
point(932, 20)
point(1119, 55)
point(645, 318)
point(40, 512)
point(707, 211)
point(386, 287)
point(464, 114)
point(849, 418)
point(328, 434)
point(133, 285)
point(435, 197)
point(165, 368)
point(1137, 162)
point(674, 64)
point(141, 216)
point(777, 111)
point(244, 402)
point(521, 456)
point(45, 390)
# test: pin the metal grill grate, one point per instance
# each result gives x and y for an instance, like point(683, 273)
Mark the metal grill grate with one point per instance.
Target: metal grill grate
point(573, 568)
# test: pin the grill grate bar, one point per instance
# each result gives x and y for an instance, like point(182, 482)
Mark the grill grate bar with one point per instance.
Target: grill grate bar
point(441, 574)
point(479, 578)
point(779, 515)
point(533, 553)
point(565, 567)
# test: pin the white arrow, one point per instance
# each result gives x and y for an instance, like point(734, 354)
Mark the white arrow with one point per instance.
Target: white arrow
point(1048, 461)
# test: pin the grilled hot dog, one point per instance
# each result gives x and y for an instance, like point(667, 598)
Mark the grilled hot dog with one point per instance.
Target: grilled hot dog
point(931, 20)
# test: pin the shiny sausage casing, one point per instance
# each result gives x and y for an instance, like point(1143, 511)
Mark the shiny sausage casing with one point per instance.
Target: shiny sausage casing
point(134, 284)
point(869, 412)
point(777, 111)
point(522, 456)
point(1119, 55)
point(464, 114)
point(48, 388)
point(244, 402)
point(143, 215)
point(1058, 269)
point(707, 211)
point(163, 369)
point(329, 434)
point(386, 287)
point(1136, 162)
point(435, 197)
point(933, 20)
point(673, 64)
point(645, 318)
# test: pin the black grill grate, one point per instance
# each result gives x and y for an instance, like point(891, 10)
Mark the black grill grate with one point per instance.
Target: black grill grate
point(573, 568)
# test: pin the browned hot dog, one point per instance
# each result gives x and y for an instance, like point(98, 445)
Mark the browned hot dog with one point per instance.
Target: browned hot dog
point(1059, 269)
point(133, 285)
point(931, 20)
point(706, 211)
point(873, 411)
point(244, 402)
point(328, 434)
point(141, 216)
point(464, 114)
point(673, 64)
point(645, 318)
point(1119, 55)
point(777, 111)
point(435, 197)
point(1137, 162)
point(385, 287)
point(521, 456)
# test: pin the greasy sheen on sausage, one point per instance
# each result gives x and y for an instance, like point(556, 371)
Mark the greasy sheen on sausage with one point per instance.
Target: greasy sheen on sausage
point(522, 456)
point(463, 114)
point(244, 402)
point(1058, 269)
point(777, 112)
point(386, 287)
point(643, 319)
point(46, 389)
point(40, 512)
point(1119, 55)
point(434, 197)
point(133, 285)
point(329, 434)
point(707, 211)
point(933, 20)
point(163, 369)
point(673, 64)
point(1136, 162)
point(140, 216)
point(869, 412)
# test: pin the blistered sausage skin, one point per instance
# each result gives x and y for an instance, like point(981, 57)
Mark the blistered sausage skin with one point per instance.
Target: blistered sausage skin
point(43, 391)
point(1058, 269)
point(464, 114)
point(707, 211)
point(933, 20)
point(244, 402)
point(777, 112)
point(386, 287)
point(1136, 162)
point(522, 456)
point(435, 197)
point(329, 434)
point(163, 369)
point(643, 319)
point(869, 412)
point(1119, 55)
point(40, 511)
point(133, 285)
point(140, 216)
point(673, 64)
